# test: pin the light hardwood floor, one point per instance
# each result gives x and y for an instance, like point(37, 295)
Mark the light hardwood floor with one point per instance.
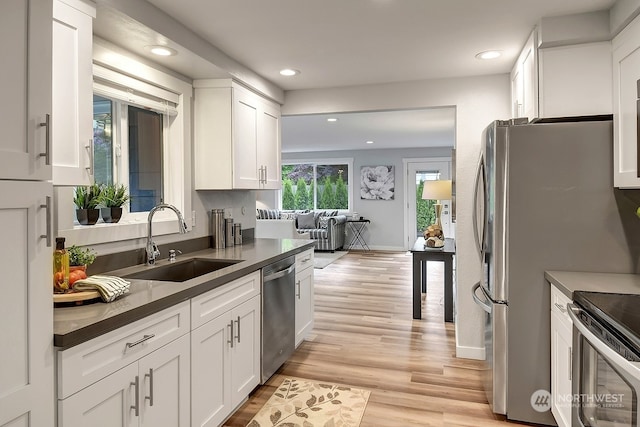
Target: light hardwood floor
point(365, 336)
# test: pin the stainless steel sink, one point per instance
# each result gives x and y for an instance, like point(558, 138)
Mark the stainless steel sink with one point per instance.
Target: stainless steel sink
point(182, 271)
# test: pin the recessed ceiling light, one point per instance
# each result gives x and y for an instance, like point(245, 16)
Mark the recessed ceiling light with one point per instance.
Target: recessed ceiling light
point(161, 50)
point(332, 120)
point(288, 72)
point(489, 54)
point(369, 142)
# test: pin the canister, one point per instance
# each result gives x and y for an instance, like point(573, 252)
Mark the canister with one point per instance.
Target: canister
point(228, 225)
point(237, 233)
point(217, 228)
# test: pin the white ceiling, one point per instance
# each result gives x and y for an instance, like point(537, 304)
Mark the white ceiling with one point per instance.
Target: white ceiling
point(347, 42)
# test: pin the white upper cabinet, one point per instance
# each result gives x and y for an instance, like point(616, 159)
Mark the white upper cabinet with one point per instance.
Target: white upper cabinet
point(561, 78)
point(237, 138)
point(25, 46)
point(626, 77)
point(72, 119)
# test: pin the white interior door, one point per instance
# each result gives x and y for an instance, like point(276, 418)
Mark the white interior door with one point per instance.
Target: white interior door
point(425, 169)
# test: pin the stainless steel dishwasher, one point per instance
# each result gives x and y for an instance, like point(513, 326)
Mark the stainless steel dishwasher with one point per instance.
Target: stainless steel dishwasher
point(278, 315)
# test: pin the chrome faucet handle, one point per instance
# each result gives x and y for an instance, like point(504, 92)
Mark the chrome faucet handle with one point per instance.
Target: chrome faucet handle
point(173, 253)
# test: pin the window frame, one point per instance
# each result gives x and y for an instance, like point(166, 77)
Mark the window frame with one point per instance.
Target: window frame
point(323, 161)
point(120, 67)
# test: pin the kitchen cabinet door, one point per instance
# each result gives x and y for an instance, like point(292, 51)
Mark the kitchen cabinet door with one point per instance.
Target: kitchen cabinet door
point(561, 358)
point(165, 385)
point(245, 139)
point(626, 74)
point(72, 120)
point(26, 363)
point(269, 147)
point(245, 354)
point(304, 303)
point(109, 402)
point(211, 372)
point(524, 81)
point(25, 113)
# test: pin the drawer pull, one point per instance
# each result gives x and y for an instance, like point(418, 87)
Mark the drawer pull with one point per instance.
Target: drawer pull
point(561, 308)
point(238, 334)
point(140, 341)
point(150, 397)
point(306, 259)
point(230, 340)
point(136, 384)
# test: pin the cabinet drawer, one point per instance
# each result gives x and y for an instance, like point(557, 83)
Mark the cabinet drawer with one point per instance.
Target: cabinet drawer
point(212, 304)
point(304, 260)
point(559, 303)
point(93, 360)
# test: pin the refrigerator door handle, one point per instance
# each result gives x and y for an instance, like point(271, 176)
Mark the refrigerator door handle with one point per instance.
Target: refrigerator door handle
point(486, 307)
point(476, 231)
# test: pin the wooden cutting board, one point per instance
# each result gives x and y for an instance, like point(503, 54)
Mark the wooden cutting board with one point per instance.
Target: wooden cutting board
point(76, 296)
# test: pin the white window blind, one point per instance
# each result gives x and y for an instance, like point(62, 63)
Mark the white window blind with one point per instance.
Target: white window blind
point(114, 85)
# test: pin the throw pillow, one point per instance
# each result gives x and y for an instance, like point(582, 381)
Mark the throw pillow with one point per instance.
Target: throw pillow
point(306, 221)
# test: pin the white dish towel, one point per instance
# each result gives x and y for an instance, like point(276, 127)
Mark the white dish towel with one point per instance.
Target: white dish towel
point(109, 287)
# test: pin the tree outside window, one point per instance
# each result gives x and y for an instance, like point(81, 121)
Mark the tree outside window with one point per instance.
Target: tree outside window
point(315, 186)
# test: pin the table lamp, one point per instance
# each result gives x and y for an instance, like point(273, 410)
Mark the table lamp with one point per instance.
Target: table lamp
point(436, 190)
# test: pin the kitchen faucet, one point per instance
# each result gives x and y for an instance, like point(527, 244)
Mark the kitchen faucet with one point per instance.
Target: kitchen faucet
point(152, 249)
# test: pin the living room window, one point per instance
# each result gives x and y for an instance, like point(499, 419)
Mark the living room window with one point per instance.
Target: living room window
point(317, 185)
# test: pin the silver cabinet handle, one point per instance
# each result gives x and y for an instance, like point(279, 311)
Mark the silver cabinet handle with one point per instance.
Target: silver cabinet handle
point(306, 260)
point(89, 149)
point(136, 384)
point(230, 340)
point(298, 292)
point(150, 376)
point(570, 363)
point(47, 206)
point(238, 334)
point(560, 307)
point(47, 148)
point(140, 341)
point(265, 175)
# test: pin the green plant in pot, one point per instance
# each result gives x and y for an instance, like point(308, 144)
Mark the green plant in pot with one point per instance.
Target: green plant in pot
point(112, 198)
point(86, 200)
point(79, 260)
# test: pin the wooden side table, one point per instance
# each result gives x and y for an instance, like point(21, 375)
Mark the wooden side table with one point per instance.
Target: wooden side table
point(420, 257)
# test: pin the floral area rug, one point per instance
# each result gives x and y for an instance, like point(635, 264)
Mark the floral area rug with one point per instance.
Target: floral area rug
point(303, 403)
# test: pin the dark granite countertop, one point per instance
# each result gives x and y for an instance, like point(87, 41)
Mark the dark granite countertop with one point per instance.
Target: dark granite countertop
point(75, 325)
point(570, 281)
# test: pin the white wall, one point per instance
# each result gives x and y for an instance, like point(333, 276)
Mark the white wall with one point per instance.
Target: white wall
point(478, 101)
point(386, 230)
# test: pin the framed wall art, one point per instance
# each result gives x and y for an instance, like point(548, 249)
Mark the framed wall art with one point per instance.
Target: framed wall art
point(377, 182)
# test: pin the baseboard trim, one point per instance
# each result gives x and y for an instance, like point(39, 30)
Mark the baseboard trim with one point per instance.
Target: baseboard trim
point(476, 353)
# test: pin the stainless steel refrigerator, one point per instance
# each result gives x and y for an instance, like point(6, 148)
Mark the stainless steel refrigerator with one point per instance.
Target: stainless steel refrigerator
point(544, 201)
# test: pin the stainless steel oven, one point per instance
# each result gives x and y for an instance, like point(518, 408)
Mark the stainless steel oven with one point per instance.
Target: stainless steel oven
point(606, 372)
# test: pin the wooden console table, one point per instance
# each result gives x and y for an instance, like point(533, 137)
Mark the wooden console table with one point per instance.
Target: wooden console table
point(420, 257)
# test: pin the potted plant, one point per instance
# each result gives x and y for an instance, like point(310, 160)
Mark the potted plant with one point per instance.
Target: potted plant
point(86, 200)
point(112, 198)
point(79, 259)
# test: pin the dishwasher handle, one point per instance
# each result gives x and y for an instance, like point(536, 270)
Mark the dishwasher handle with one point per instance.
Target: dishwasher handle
point(280, 273)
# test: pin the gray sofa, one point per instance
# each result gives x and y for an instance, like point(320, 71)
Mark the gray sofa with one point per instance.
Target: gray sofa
point(328, 232)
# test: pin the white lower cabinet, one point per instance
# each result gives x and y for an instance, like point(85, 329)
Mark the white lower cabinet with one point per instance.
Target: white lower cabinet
point(225, 363)
point(304, 295)
point(153, 391)
point(561, 357)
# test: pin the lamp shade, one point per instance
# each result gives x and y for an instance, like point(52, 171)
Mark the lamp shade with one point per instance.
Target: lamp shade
point(437, 190)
